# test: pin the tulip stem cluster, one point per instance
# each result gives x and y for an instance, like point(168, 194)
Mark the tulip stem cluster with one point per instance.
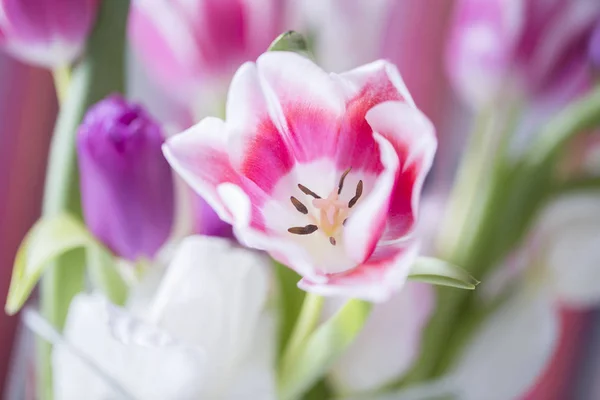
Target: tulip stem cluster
point(99, 73)
point(516, 190)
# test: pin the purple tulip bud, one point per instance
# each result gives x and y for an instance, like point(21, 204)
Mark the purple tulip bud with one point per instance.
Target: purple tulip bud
point(126, 184)
point(49, 33)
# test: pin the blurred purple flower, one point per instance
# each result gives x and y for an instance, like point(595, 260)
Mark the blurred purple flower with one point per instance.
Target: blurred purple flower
point(594, 48)
point(185, 43)
point(48, 33)
point(535, 46)
point(126, 184)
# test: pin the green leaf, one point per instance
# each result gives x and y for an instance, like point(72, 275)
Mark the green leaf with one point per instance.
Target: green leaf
point(320, 350)
point(290, 41)
point(439, 272)
point(49, 238)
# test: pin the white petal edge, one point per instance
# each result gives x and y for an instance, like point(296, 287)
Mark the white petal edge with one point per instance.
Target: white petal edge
point(370, 215)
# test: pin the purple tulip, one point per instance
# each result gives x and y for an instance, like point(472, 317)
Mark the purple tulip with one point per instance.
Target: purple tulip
point(49, 33)
point(126, 184)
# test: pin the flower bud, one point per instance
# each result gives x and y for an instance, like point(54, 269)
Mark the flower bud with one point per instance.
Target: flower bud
point(48, 33)
point(126, 184)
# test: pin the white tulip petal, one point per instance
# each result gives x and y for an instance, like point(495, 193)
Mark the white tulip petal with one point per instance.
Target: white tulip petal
point(171, 371)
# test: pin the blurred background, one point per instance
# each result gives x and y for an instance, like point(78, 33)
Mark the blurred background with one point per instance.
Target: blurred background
point(413, 34)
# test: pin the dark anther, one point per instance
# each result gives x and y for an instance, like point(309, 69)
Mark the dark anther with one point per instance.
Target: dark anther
point(303, 230)
point(309, 192)
point(341, 184)
point(359, 189)
point(344, 223)
point(332, 241)
point(299, 206)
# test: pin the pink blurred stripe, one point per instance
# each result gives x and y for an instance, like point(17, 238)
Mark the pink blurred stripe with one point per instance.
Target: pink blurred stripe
point(27, 112)
point(557, 382)
point(415, 40)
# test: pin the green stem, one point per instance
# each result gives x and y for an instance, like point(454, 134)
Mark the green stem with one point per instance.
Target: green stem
point(510, 203)
point(305, 325)
point(100, 72)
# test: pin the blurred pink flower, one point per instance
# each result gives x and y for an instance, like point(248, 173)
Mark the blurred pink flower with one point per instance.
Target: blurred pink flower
point(322, 171)
point(538, 47)
point(49, 33)
point(186, 44)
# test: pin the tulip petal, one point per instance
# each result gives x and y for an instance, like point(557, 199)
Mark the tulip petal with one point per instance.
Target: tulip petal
point(258, 150)
point(304, 103)
point(375, 280)
point(413, 138)
point(161, 368)
point(388, 343)
point(365, 226)
point(364, 88)
point(199, 155)
point(189, 286)
point(511, 349)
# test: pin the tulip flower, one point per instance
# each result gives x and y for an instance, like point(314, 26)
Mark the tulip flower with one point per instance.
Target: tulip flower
point(126, 184)
point(322, 171)
point(188, 45)
point(48, 33)
point(535, 47)
point(205, 333)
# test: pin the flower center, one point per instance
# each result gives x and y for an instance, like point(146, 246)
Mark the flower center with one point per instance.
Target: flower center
point(332, 212)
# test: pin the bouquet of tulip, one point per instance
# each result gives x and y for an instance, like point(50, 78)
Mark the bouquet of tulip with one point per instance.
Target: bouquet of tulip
point(253, 227)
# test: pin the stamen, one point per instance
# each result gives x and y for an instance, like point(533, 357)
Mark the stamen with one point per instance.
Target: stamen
point(359, 189)
point(309, 192)
point(303, 230)
point(299, 206)
point(344, 223)
point(332, 241)
point(341, 184)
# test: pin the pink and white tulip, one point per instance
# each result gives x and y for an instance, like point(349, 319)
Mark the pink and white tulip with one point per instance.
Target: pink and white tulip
point(188, 45)
point(48, 33)
point(323, 171)
point(535, 46)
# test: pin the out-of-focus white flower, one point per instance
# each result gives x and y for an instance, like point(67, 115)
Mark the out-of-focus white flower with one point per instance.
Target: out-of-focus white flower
point(510, 350)
point(205, 334)
point(389, 342)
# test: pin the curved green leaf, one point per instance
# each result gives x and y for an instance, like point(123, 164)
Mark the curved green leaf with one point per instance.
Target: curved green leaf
point(50, 238)
point(439, 272)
